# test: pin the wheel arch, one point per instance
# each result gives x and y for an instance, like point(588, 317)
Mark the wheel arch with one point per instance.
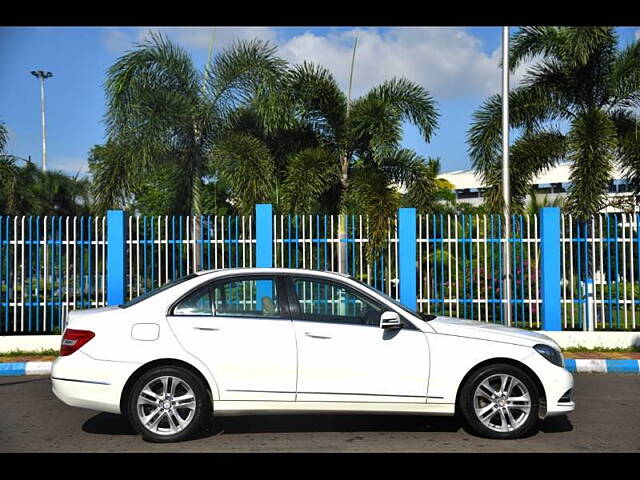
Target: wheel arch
point(161, 362)
point(507, 361)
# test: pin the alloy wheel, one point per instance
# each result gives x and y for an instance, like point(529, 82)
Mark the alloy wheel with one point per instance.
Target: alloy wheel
point(502, 403)
point(166, 405)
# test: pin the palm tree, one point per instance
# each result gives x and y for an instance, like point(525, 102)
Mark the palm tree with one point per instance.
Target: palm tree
point(352, 159)
point(579, 76)
point(8, 174)
point(163, 112)
point(26, 190)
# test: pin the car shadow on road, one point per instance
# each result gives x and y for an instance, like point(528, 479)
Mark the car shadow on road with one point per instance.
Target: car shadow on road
point(110, 424)
point(331, 423)
point(557, 424)
point(23, 380)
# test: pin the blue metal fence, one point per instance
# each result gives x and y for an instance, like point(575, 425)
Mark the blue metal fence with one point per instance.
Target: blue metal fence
point(600, 262)
point(163, 248)
point(336, 243)
point(563, 273)
point(49, 265)
point(461, 268)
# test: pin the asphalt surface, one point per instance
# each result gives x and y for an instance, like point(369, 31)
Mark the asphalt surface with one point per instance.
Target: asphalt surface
point(606, 420)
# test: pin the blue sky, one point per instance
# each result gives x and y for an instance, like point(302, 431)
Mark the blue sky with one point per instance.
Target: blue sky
point(458, 65)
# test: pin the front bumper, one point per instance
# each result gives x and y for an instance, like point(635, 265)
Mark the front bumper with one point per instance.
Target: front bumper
point(556, 381)
point(81, 381)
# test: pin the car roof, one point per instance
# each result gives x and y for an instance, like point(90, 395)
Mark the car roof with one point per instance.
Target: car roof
point(272, 270)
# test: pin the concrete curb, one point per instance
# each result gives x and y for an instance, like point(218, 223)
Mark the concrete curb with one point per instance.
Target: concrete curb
point(25, 368)
point(577, 365)
point(590, 365)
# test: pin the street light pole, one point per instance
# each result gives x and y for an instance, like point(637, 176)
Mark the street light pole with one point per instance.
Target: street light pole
point(506, 188)
point(43, 76)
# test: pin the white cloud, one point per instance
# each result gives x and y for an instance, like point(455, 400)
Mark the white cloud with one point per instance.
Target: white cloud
point(117, 40)
point(638, 34)
point(449, 62)
point(70, 166)
point(200, 37)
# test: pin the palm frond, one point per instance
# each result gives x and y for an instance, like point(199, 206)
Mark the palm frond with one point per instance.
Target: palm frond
point(309, 174)
point(624, 81)
point(529, 42)
point(378, 198)
point(628, 132)
point(245, 164)
point(115, 176)
point(529, 108)
point(309, 94)
point(411, 102)
point(592, 143)
point(240, 71)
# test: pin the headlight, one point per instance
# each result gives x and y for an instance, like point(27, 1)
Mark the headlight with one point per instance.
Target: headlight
point(551, 354)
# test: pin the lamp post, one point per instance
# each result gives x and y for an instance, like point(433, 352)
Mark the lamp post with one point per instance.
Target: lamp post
point(43, 76)
point(506, 187)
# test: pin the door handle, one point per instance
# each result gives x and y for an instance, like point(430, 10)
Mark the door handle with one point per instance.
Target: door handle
point(207, 329)
point(309, 334)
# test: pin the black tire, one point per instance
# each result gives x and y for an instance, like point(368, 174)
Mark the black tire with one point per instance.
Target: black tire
point(467, 407)
point(197, 418)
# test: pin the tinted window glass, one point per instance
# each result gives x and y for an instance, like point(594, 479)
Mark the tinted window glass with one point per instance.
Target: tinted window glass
point(246, 297)
point(196, 303)
point(323, 301)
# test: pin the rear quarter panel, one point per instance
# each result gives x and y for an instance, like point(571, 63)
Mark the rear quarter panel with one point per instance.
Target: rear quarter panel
point(114, 342)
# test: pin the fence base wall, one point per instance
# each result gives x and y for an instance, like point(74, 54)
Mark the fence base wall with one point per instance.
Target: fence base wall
point(595, 339)
point(29, 343)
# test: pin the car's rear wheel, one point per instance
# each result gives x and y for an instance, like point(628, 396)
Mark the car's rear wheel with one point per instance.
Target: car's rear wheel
point(500, 401)
point(168, 404)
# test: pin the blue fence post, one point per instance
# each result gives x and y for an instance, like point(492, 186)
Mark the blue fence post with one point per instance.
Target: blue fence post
point(116, 245)
point(407, 257)
point(264, 235)
point(550, 268)
point(264, 250)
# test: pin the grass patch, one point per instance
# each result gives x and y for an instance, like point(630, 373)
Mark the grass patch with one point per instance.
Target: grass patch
point(31, 353)
point(43, 355)
point(601, 350)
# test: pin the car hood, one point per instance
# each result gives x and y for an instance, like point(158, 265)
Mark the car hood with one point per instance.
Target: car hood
point(489, 331)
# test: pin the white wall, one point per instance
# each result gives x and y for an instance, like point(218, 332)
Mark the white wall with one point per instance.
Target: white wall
point(30, 343)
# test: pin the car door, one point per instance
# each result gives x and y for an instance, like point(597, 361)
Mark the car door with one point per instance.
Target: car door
point(241, 329)
point(344, 355)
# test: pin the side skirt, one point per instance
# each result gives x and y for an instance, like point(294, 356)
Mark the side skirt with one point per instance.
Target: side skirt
point(238, 407)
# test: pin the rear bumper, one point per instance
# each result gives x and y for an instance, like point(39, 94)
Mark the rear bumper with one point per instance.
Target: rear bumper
point(81, 381)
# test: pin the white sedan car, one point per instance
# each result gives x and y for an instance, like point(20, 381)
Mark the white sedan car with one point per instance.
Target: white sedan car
point(299, 341)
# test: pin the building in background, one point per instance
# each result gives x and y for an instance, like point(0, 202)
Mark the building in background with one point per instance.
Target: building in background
point(552, 184)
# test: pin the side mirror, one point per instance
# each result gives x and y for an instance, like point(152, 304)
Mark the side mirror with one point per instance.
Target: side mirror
point(390, 319)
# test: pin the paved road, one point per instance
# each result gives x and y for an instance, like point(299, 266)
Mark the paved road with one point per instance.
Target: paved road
point(606, 419)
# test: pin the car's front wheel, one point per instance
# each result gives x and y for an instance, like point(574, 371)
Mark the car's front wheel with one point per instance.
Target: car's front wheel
point(168, 404)
point(500, 401)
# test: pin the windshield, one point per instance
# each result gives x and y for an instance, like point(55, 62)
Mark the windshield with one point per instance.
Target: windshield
point(151, 293)
point(424, 316)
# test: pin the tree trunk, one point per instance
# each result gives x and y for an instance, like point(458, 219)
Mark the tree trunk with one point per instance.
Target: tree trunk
point(196, 211)
point(342, 233)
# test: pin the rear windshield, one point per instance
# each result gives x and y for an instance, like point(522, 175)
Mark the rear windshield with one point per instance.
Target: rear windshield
point(151, 293)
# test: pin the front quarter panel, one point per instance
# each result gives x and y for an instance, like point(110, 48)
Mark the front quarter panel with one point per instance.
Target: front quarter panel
point(452, 357)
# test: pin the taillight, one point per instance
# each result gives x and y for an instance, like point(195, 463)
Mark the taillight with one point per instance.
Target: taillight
point(73, 340)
